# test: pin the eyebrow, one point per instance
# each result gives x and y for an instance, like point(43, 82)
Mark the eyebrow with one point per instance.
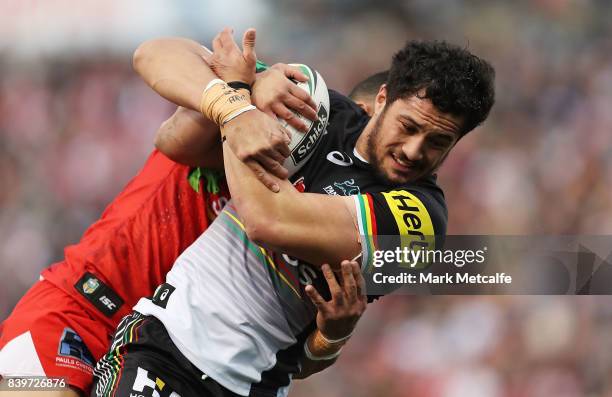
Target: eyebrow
point(410, 119)
point(439, 131)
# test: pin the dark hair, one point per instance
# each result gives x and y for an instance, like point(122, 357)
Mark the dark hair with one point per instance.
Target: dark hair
point(456, 81)
point(369, 86)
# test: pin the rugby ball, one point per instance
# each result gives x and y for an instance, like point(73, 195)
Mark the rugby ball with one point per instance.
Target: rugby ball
point(303, 144)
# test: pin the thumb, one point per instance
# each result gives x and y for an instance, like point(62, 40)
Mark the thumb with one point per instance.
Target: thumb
point(248, 44)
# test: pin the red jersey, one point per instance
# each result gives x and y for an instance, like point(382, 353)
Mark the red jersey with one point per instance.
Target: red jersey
point(126, 254)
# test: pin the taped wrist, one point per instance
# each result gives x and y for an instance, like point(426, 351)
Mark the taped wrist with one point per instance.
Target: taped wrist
point(221, 103)
point(317, 347)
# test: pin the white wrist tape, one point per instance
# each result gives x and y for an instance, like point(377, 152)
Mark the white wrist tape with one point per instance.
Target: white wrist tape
point(333, 341)
point(312, 357)
point(213, 82)
point(238, 113)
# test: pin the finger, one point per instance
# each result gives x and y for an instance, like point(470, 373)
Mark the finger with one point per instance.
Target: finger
point(282, 112)
point(274, 167)
point(348, 281)
point(306, 98)
point(262, 175)
point(332, 283)
point(275, 154)
point(300, 106)
point(227, 39)
point(248, 44)
point(287, 134)
point(360, 281)
point(216, 43)
point(283, 149)
point(293, 72)
point(316, 298)
point(298, 124)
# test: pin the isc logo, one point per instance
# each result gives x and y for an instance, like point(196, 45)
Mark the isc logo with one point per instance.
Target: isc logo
point(107, 302)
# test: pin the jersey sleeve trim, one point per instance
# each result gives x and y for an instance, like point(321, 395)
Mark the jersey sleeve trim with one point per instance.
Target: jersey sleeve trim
point(393, 213)
point(366, 221)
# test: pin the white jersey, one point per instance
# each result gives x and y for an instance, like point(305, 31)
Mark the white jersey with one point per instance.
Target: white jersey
point(231, 311)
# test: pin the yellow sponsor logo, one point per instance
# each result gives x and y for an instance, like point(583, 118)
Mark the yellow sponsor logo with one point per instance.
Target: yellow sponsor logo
point(413, 221)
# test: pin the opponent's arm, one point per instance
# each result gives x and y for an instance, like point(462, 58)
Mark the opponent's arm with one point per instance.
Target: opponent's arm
point(175, 68)
point(316, 228)
point(178, 69)
point(189, 138)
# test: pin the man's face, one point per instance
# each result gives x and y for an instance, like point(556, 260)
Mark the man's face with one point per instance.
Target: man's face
point(410, 138)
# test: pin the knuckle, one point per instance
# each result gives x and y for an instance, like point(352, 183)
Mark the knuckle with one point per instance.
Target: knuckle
point(241, 154)
point(249, 155)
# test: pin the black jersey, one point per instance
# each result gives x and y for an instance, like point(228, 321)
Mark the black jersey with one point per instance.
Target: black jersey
point(416, 211)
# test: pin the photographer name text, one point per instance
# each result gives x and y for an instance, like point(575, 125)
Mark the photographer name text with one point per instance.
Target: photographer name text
point(446, 278)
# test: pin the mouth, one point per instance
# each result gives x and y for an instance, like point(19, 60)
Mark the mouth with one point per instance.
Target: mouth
point(402, 165)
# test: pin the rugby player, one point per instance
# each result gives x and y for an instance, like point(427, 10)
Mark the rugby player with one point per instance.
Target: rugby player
point(64, 323)
point(58, 329)
point(364, 93)
point(232, 318)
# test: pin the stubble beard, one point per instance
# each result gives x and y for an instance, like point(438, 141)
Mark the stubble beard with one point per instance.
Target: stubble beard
point(372, 148)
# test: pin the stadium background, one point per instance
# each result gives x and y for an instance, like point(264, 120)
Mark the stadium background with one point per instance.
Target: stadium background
point(76, 124)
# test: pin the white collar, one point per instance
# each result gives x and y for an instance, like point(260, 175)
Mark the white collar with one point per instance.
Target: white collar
point(359, 156)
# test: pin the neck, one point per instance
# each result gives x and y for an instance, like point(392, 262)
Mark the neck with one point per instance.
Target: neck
point(362, 142)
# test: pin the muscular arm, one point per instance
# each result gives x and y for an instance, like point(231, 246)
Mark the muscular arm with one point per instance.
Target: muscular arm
point(188, 138)
point(179, 70)
point(314, 227)
point(175, 68)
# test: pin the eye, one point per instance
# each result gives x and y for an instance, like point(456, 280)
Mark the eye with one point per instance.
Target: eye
point(410, 129)
point(441, 142)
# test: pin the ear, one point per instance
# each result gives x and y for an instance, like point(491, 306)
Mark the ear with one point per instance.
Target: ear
point(365, 107)
point(381, 99)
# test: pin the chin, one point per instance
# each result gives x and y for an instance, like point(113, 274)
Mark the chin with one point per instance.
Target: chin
point(400, 179)
point(393, 178)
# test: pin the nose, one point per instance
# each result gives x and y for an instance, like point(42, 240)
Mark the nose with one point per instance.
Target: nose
point(413, 147)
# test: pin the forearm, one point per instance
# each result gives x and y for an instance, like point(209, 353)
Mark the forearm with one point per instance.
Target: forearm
point(320, 353)
point(253, 201)
point(311, 367)
point(189, 138)
point(175, 68)
point(316, 228)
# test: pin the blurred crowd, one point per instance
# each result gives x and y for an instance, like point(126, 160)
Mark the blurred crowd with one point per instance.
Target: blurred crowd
point(519, 346)
point(74, 130)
